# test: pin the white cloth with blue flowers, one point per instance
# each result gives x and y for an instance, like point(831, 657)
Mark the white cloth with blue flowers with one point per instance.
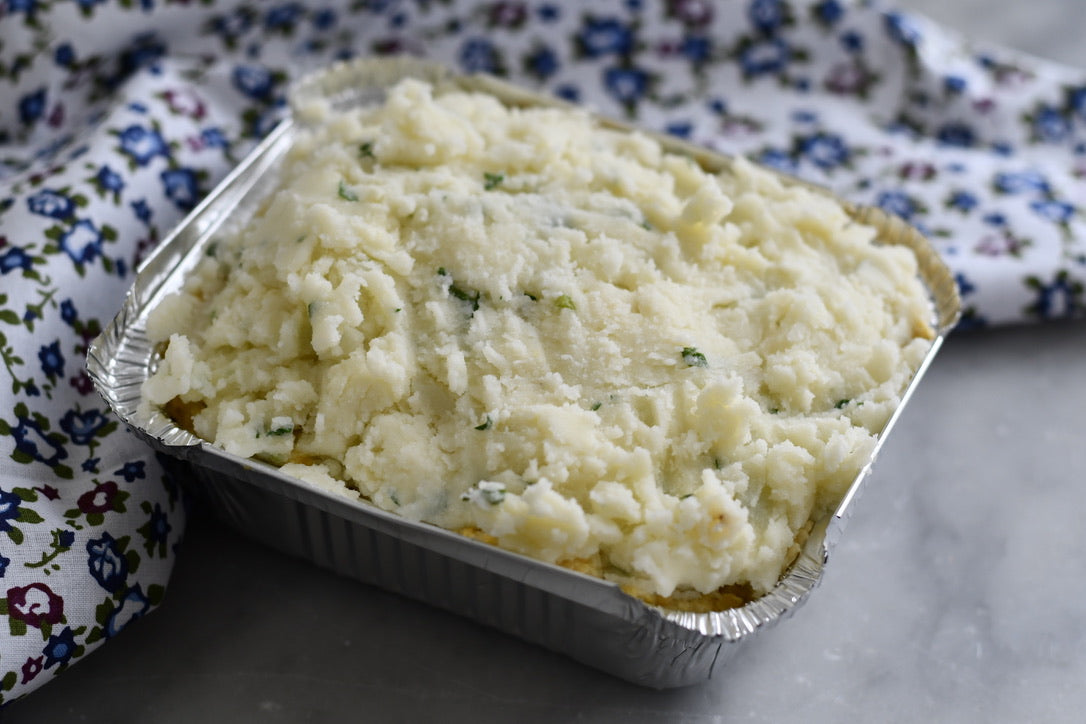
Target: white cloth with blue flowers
point(116, 116)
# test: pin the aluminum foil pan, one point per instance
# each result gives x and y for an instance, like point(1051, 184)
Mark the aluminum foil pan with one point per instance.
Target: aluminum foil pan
point(586, 618)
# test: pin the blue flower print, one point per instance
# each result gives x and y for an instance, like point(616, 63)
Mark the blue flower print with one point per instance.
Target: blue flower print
point(156, 531)
point(53, 204)
point(214, 138)
point(324, 19)
point(852, 41)
point(696, 48)
point(829, 11)
point(9, 509)
point(32, 442)
point(60, 648)
point(962, 201)
point(133, 605)
point(1061, 298)
point(142, 210)
point(1050, 125)
point(680, 129)
point(897, 203)
point(65, 538)
point(478, 55)
point(1076, 101)
point(143, 144)
point(32, 106)
point(52, 361)
point(232, 25)
point(83, 426)
point(1020, 182)
point(255, 81)
point(568, 92)
point(283, 17)
point(765, 56)
point(131, 471)
point(902, 29)
point(15, 258)
point(826, 151)
point(604, 36)
point(4, 563)
point(82, 242)
point(965, 287)
point(68, 312)
point(956, 134)
point(549, 13)
point(626, 85)
point(955, 84)
point(64, 55)
point(1058, 212)
point(542, 62)
point(22, 6)
point(766, 15)
point(778, 159)
point(180, 186)
point(107, 563)
point(109, 180)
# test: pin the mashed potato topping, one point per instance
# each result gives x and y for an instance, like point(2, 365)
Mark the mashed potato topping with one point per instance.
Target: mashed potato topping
point(562, 337)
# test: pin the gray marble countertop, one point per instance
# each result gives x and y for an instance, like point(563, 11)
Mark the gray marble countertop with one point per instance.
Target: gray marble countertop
point(954, 595)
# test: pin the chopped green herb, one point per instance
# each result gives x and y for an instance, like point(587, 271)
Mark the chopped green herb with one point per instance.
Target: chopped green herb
point(774, 410)
point(490, 492)
point(693, 358)
point(461, 293)
point(684, 497)
point(345, 193)
point(564, 302)
point(596, 406)
point(717, 465)
point(531, 296)
point(366, 150)
point(393, 497)
point(487, 424)
point(212, 248)
point(492, 180)
point(493, 493)
point(646, 226)
point(300, 239)
point(841, 403)
point(398, 309)
point(464, 296)
point(285, 430)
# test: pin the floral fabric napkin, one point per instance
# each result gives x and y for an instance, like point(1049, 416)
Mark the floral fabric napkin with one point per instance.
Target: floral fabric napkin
point(117, 116)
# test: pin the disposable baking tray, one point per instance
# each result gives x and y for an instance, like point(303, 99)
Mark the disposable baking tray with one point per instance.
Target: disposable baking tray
point(589, 619)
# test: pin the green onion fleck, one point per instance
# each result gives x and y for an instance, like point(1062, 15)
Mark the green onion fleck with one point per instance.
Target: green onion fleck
point(596, 406)
point(841, 403)
point(492, 180)
point(564, 301)
point(487, 424)
point(693, 358)
point(366, 150)
point(345, 193)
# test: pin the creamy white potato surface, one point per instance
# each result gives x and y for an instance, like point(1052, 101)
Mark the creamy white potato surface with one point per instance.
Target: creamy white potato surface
point(516, 322)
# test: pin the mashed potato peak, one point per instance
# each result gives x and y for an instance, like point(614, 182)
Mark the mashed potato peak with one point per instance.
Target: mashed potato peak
point(513, 321)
